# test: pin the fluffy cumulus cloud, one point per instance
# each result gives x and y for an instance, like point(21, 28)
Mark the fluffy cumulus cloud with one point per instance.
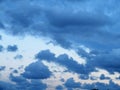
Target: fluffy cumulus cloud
point(12, 48)
point(36, 70)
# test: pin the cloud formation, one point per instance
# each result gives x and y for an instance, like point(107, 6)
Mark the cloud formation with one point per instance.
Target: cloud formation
point(18, 57)
point(0, 37)
point(12, 48)
point(1, 48)
point(70, 83)
point(41, 72)
point(22, 84)
point(63, 60)
point(2, 68)
point(66, 22)
point(95, 59)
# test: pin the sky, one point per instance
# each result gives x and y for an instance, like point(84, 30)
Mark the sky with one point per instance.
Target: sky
point(59, 44)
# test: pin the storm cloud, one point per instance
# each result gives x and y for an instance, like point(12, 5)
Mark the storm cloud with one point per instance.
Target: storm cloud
point(61, 20)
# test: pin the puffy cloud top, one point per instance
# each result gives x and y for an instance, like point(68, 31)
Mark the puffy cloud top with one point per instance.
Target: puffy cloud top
point(11, 48)
point(36, 70)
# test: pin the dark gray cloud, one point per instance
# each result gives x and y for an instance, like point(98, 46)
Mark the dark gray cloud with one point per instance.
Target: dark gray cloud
point(41, 72)
point(67, 22)
point(12, 48)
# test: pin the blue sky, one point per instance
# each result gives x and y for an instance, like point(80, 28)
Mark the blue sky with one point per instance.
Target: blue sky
point(59, 44)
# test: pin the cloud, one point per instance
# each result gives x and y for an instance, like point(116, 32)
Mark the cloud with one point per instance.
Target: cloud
point(15, 71)
point(95, 59)
point(118, 78)
point(41, 72)
point(2, 68)
point(67, 24)
point(17, 79)
point(68, 62)
point(70, 83)
point(12, 48)
point(84, 77)
point(6, 86)
point(22, 84)
point(64, 18)
point(108, 60)
point(63, 60)
point(0, 37)
point(102, 86)
point(59, 87)
point(1, 26)
point(104, 59)
point(1, 48)
point(45, 55)
point(18, 57)
point(103, 77)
